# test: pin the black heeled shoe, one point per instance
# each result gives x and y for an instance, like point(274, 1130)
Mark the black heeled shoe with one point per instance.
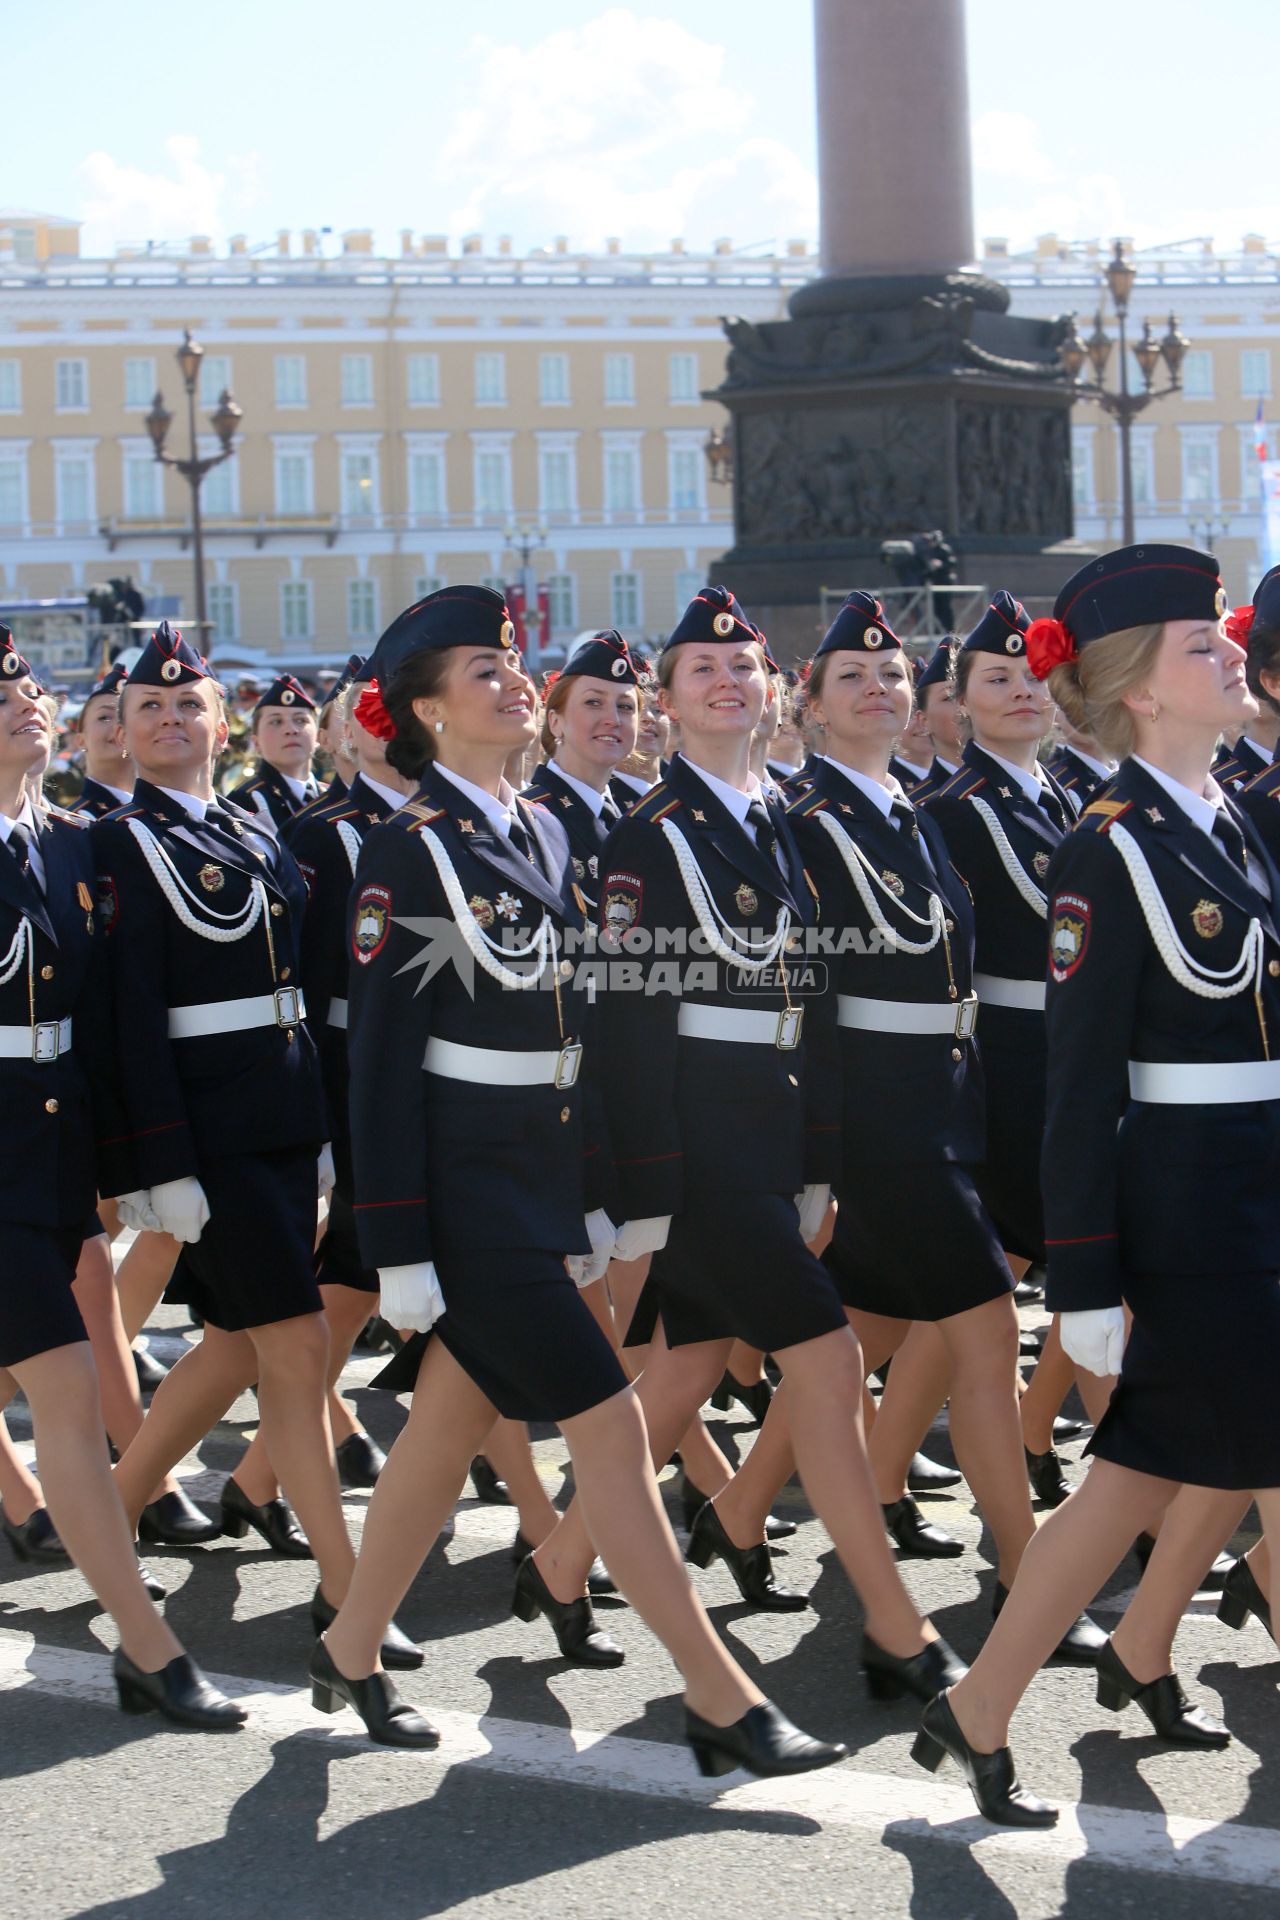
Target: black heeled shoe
point(751, 1567)
point(692, 1501)
point(148, 1369)
point(995, 1786)
point(1242, 1596)
point(930, 1476)
point(388, 1719)
point(1067, 1427)
point(1026, 1292)
point(397, 1649)
point(916, 1538)
point(360, 1461)
point(925, 1674)
point(178, 1692)
point(1172, 1716)
point(490, 1491)
point(273, 1520)
point(600, 1583)
point(155, 1589)
point(1048, 1481)
point(580, 1640)
point(1080, 1646)
point(36, 1539)
point(754, 1398)
point(1215, 1578)
point(763, 1742)
point(376, 1336)
point(175, 1521)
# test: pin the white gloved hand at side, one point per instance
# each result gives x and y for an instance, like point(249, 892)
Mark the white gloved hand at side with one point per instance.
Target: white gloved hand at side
point(409, 1297)
point(136, 1211)
point(638, 1237)
point(584, 1268)
point(181, 1208)
point(812, 1206)
point(1094, 1339)
point(326, 1173)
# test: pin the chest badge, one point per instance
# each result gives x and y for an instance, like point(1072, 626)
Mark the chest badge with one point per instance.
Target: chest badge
point(1206, 918)
point(509, 905)
point(579, 870)
point(700, 817)
point(212, 878)
point(1040, 861)
point(894, 882)
point(1006, 793)
point(566, 800)
point(1155, 816)
point(746, 899)
point(482, 910)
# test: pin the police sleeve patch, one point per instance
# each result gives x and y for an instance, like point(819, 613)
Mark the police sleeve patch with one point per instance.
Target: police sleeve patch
point(623, 901)
point(371, 924)
point(1069, 935)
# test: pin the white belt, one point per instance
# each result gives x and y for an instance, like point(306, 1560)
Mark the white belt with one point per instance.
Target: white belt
point(41, 1043)
point(752, 1025)
point(957, 1017)
point(337, 1012)
point(1026, 995)
point(1175, 1084)
point(283, 1008)
point(494, 1067)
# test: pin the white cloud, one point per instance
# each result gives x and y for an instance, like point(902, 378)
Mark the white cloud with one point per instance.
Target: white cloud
point(123, 205)
point(1007, 146)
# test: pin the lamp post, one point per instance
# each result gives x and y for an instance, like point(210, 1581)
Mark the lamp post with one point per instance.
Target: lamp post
point(717, 450)
point(224, 422)
point(1120, 403)
point(526, 541)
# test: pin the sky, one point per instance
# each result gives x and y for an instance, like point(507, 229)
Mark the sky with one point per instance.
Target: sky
point(689, 117)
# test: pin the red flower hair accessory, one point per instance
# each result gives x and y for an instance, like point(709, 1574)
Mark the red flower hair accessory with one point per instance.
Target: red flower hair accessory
point(373, 715)
point(1048, 645)
point(1239, 625)
point(549, 680)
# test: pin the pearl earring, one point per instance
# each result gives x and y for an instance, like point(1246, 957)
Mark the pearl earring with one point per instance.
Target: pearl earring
point(439, 726)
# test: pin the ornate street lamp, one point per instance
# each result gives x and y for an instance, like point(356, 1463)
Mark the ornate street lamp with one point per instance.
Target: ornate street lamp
point(225, 423)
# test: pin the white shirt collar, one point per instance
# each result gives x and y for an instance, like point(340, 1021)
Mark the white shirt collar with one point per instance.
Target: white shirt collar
point(952, 766)
point(881, 796)
point(907, 762)
point(497, 811)
point(1201, 809)
point(117, 793)
point(632, 780)
point(591, 795)
point(732, 797)
point(1264, 753)
point(392, 795)
point(190, 803)
point(25, 817)
point(1103, 767)
point(298, 788)
point(1032, 784)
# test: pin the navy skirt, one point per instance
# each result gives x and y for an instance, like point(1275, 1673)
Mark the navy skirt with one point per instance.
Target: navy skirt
point(1012, 1046)
point(915, 1243)
point(254, 1262)
point(38, 1310)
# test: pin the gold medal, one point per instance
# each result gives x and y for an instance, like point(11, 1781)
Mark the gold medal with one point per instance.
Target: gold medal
point(746, 899)
point(1040, 862)
point(1206, 918)
point(894, 882)
point(482, 909)
point(212, 878)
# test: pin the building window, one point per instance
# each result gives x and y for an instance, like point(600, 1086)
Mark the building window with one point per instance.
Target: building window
point(1197, 374)
point(1255, 374)
point(426, 481)
point(625, 597)
point(215, 378)
point(359, 485)
point(224, 611)
point(1199, 472)
point(424, 379)
point(426, 583)
point(556, 489)
point(689, 584)
point(72, 386)
point(73, 478)
point(682, 379)
point(13, 491)
point(620, 379)
point(362, 609)
point(685, 468)
point(10, 386)
point(295, 487)
point(291, 380)
point(562, 602)
point(139, 383)
point(1143, 451)
point(493, 480)
point(143, 497)
point(295, 610)
point(357, 379)
point(1251, 459)
point(1082, 488)
point(553, 379)
point(495, 583)
point(622, 479)
point(491, 379)
point(218, 491)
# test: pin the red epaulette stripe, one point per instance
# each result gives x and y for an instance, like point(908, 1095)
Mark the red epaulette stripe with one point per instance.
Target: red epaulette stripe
point(1085, 1240)
point(651, 1160)
point(662, 812)
point(371, 1206)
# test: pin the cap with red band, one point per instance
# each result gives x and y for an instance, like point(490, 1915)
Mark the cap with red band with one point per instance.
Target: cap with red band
point(1132, 587)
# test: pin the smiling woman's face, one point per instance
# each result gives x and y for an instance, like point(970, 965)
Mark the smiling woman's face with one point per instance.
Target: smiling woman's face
point(486, 700)
point(716, 691)
point(865, 698)
point(1006, 704)
point(26, 737)
point(171, 733)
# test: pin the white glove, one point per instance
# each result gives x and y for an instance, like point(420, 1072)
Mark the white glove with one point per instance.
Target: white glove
point(584, 1268)
point(812, 1206)
point(326, 1173)
point(136, 1211)
point(410, 1297)
point(180, 1208)
point(1094, 1339)
point(638, 1237)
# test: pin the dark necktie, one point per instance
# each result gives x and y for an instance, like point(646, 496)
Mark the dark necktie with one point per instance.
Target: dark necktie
point(903, 815)
point(1051, 805)
point(19, 845)
point(519, 838)
point(766, 837)
point(1225, 832)
point(611, 812)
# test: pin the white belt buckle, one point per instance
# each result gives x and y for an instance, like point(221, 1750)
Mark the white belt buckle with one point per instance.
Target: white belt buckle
point(790, 1023)
point(288, 1007)
point(568, 1062)
point(46, 1040)
point(966, 1017)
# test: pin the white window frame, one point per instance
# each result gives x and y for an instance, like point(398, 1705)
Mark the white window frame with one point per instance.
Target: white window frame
point(14, 452)
point(147, 380)
point(64, 453)
point(430, 446)
point(297, 592)
point(364, 587)
point(215, 376)
point(428, 583)
point(142, 452)
point(1203, 357)
point(228, 592)
point(1249, 387)
point(635, 625)
point(562, 586)
point(619, 379)
point(356, 390)
point(689, 582)
point(493, 363)
point(1205, 440)
point(1143, 443)
point(557, 446)
point(360, 446)
point(630, 444)
point(1083, 451)
point(686, 443)
point(429, 365)
point(675, 399)
point(292, 361)
point(564, 366)
point(207, 445)
point(300, 446)
point(62, 378)
point(487, 444)
point(11, 368)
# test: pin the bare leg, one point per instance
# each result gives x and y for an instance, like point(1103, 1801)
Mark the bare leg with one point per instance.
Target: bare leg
point(506, 1448)
point(1264, 1558)
point(747, 1499)
point(746, 1364)
point(67, 1421)
point(1048, 1387)
point(1197, 1525)
point(982, 1345)
point(346, 1309)
point(1074, 1552)
point(913, 1393)
point(190, 1400)
point(142, 1277)
point(20, 1491)
point(293, 1362)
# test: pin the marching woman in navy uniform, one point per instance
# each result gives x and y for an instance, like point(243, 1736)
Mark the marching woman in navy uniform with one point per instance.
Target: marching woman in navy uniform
point(467, 1120)
point(55, 1072)
point(643, 766)
point(1162, 1142)
point(1078, 765)
point(1257, 629)
point(589, 726)
point(912, 1240)
point(283, 736)
point(722, 1169)
point(108, 770)
point(224, 1115)
point(936, 696)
